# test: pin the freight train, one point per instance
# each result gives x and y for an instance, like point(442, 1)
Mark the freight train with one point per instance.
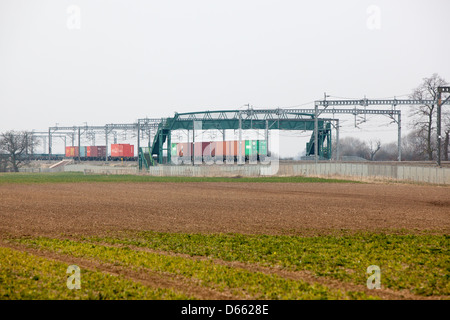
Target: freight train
point(119, 152)
point(218, 151)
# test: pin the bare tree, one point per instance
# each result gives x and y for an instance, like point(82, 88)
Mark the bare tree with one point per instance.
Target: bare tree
point(424, 114)
point(14, 147)
point(374, 147)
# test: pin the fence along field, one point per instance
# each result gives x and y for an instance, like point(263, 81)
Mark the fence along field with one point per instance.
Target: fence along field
point(140, 237)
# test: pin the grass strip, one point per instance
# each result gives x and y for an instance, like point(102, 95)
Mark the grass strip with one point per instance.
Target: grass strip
point(418, 263)
point(238, 281)
point(24, 276)
point(78, 177)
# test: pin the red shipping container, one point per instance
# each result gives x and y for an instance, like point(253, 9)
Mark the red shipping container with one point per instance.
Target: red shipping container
point(91, 152)
point(231, 148)
point(72, 152)
point(206, 149)
point(116, 150)
point(122, 150)
point(101, 151)
point(198, 149)
point(184, 149)
point(218, 148)
point(212, 147)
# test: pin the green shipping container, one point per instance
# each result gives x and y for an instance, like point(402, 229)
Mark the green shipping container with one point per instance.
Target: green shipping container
point(262, 147)
point(174, 150)
point(254, 147)
point(248, 147)
point(251, 147)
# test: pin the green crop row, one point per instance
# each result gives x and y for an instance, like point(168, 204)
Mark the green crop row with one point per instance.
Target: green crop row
point(239, 281)
point(27, 277)
point(74, 177)
point(418, 263)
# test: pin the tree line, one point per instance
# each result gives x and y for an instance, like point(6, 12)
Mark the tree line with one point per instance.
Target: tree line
point(414, 148)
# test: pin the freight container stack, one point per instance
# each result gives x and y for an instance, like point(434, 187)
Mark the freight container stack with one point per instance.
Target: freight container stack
point(91, 152)
point(252, 151)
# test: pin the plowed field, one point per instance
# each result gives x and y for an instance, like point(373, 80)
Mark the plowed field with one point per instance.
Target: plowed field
point(251, 208)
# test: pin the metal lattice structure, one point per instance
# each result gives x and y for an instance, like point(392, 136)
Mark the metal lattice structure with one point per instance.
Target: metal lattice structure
point(142, 127)
point(265, 119)
point(393, 112)
point(158, 131)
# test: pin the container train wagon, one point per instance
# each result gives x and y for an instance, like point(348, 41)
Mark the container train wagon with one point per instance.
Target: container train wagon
point(119, 152)
point(44, 156)
point(252, 150)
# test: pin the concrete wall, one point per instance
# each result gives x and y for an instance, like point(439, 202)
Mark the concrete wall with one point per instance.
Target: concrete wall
point(100, 169)
point(38, 170)
point(358, 171)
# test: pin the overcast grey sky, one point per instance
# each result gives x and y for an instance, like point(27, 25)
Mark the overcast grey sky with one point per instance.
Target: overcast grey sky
point(73, 61)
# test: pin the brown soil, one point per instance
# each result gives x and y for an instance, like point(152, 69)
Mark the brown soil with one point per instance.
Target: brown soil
point(275, 208)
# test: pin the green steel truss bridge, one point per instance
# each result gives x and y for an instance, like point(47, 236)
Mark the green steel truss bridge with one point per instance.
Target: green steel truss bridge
point(267, 119)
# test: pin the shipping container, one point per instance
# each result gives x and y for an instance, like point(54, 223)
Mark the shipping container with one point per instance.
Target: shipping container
point(251, 147)
point(218, 148)
point(122, 150)
point(101, 151)
point(173, 151)
point(96, 151)
point(231, 150)
point(116, 150)
point(207, 151)
point(248, 147)
point(198, 154)
point(82, 152)
point(262, 147)
point(91, 152)
point(184, 150)
point(71, 152)
point(255, 147)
